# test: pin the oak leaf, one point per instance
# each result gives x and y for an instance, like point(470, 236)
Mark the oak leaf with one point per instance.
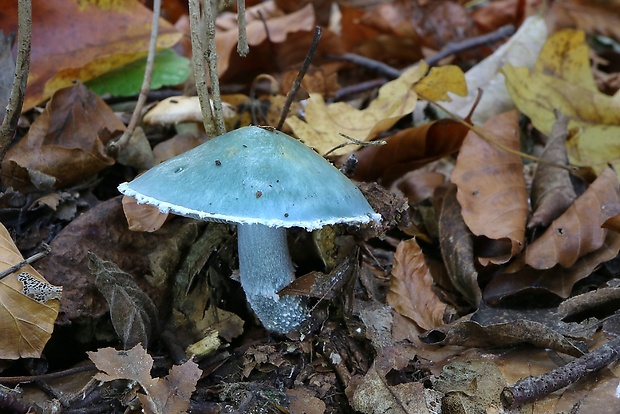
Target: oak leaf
point(170, 394)
point(411, 288)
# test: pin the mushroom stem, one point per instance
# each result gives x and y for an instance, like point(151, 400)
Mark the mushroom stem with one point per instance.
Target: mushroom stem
point(265, 267)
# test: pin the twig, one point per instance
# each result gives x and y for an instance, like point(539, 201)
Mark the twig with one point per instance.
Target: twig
point(118, 145)
point(532, 388)
point(304, 68)
point(198, 38)
point(392, 73)
point(211, 55)
point(24, 262)
point(50, 376)
point(242, 44)
point(22, 66)
point(355, 142)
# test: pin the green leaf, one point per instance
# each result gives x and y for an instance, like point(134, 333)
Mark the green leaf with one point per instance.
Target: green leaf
point(169, 69)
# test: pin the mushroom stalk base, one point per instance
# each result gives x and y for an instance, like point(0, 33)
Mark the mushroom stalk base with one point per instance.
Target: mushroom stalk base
point(265, 267)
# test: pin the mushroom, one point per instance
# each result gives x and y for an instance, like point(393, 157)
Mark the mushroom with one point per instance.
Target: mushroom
point(263, 181)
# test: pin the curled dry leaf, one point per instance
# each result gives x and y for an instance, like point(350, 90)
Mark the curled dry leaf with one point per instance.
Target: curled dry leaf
point(66, 143)
point(170, 394)
point(557, 280)
point(411, 288)
point(491, 186)
point(552, 190)
point(578, 231)
point(409, 149)
point(457, 249)
point(28, 305)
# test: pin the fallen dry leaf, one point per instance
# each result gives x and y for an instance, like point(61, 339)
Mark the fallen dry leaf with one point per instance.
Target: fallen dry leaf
point(409, 149)
point(324, 123)
point(552, 189)
point(562, 80)
point(491, 186)
point(29, 305)
point(65, 144)
point(457, 249)
point(578, 231)
point(169, 394)
point(74, 39)
point(411, 288)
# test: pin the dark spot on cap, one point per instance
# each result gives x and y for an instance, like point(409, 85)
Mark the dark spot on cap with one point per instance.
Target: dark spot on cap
point(259, 194)
point(285, 214)
point(218, 162)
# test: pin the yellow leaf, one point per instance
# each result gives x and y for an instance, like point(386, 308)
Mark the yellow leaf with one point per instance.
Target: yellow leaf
point(28, 305)
point(324, 123)
point(562, 80)
point(439, 81)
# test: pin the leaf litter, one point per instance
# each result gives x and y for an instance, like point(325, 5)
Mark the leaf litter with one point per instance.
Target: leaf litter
point(509, 275)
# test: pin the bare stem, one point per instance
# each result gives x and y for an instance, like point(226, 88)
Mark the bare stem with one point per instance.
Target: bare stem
point(200, 73)
point(22, 65)
point(23, 263)
point(242, 45)
point(211, 56)
point(302, 72)
point(122, 142)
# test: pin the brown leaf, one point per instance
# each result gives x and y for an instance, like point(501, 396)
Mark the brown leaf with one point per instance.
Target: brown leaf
point(170, 394)
point(557, 280)
point(409, 149)
point(67, 142)
point(411, 288)
point(578, 231)
point(133, 313)
point(143, 217)
point(74, 39)
point(457, 249)
point(28, 305)
point(491, 186)
point(552, 190)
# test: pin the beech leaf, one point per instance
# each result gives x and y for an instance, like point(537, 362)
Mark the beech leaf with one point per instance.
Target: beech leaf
point(578, 231)
point(28, 305)
point(491, 186)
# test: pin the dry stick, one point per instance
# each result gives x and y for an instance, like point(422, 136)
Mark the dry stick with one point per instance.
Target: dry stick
point(242, 44)
point(29, 260)
point(116, 147)
point(49, 376)
point(211, 56)
point(355, 142)
point(532, 388)
point(392, 73)
point(304, 68)
point(198, 38)
point(22, 65)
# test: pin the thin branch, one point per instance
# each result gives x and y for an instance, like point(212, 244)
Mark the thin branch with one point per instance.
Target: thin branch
point(354, 141)
point(22, 66)
point(211, 56)
point(122, 142)
point(49, 376)
point(302, 72)
point(533, 388)
point(29, 260)
point(391, 72)
point(198, 38)
point(242, 44)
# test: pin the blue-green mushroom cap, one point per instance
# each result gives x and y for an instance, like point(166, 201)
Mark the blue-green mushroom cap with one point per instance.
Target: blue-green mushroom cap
point(253, 175)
